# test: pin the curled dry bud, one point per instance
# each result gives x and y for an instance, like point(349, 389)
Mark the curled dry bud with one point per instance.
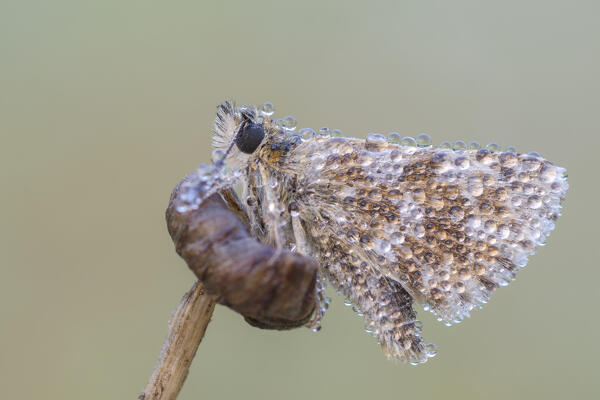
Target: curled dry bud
point(272, 289)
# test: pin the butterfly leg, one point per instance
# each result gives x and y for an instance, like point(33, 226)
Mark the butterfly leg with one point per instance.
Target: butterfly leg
point(322, 300)
point(272, 209)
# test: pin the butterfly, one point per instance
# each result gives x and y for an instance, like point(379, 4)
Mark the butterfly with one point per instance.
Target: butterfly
point(390, 221)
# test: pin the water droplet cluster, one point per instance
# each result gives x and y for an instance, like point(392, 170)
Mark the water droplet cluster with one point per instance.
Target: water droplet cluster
point(207, 180)
point(394, 219)
point(447, 224)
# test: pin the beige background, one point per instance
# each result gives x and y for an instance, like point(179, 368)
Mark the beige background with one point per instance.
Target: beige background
point(104, 106)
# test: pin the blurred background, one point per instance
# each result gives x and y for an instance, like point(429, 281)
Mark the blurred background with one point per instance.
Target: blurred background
point(105, 105)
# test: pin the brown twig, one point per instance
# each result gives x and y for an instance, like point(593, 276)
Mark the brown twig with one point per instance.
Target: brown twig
point(186, 329)
point(272, 289)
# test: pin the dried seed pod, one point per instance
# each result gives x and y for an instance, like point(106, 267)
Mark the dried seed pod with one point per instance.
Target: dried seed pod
point(271, 289)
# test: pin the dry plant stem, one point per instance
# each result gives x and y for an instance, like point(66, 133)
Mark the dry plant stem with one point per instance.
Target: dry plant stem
point(186, 329)
point(271, 289)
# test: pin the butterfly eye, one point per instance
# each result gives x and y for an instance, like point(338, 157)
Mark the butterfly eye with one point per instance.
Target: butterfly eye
point(249, 137)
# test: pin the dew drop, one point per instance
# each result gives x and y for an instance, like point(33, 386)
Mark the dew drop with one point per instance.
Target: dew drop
point(394, 137)
point(289, 123)
point(548, 173)
point(511, 149)
point(493, 147)
point(273, 182)
point(339, 145)
point(324, 131)
point(459, 145)
point(408, 141)
point(423, 140)
point(530, 163)
point(294, 210)
point(189, 197)
point(217, 155)
point(397, 238)
point(459, 287)
point(446, 145)
point(419, 230)
point(490, 226)
point(474, 145)
point(503, 231)
point(457, 213)
point(307, 133)
point(268, 108)
point(462, 162)
point(376, 138)
point(474, 221)
point(489, 180)
point(534, 202)
point(508, 159)
point(476, 188)
point(431, 350)
point(336, 133)
point(204, 170)
point(365, 158)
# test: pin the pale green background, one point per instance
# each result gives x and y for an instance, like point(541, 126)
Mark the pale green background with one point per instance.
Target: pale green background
point(105, 105)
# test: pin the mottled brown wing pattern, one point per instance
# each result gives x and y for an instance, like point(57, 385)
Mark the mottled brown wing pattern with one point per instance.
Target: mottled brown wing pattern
point(448, 227)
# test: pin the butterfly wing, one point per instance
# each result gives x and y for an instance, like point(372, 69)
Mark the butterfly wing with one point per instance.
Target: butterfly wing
point(447, 227)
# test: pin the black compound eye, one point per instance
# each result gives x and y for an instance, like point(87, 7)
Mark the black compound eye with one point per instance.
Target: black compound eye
point(249, 137)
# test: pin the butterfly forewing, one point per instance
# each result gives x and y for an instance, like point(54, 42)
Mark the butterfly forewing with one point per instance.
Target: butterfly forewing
point(448, 226)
